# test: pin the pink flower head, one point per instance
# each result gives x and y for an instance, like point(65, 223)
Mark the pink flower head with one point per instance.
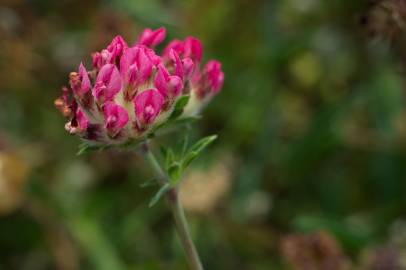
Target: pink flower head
point(136, 65)
point(151, 38)
point(215, 76)
point(169, 86)
point(115, 118)
point(138, 84)
point(147, 106)
point(108, 83)
point(80, 82)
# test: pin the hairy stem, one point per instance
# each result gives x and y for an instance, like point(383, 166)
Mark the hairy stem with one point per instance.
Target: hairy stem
point(178, 213)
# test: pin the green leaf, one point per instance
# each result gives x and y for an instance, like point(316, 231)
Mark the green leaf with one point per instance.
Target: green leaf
point(188, 159)
point(86, 148)
point(172, 125)
point(169, 158)
point(165, 188)
point(185, 145)
point(150, 182)
point(179, 106)
point(174, 172)
point(203, 143)
point(164, 152)
point(196, 149)
point(130, 144)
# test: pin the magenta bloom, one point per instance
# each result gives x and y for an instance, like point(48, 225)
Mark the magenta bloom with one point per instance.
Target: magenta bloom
point(132, 89)
point(110, 54)
point(82, 121)
point(80, 82)
point(148, 105)
point(169, 86)
point(151, 38)
point(215, 76)
point(188, 48)
point(136, 65)
point(115, 118)
point(208, 82)
point(108, 83)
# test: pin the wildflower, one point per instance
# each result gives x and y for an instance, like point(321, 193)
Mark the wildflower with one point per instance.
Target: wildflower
point(130, 90)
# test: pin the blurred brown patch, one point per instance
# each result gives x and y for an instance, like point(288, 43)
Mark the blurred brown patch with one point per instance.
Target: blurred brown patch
point(317, 251)
point(13, 176)
point(382, 258)
point(385, 18)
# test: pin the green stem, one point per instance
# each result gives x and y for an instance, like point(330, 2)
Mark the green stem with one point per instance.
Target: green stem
point(178, 213)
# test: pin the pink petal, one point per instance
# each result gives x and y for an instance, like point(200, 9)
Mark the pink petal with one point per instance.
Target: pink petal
point(81, 119)
point(84, 77)
point(109, 81)
point(116, 117)
point(155, 59)
point(175, 85)
point(188, 67)
point(161, 79)
point(176, 45)
point(117, 47)
point(177, 62)
point(139, 57)
point(214, 75)
point(151, 37)
point(193, 49)
point(144, 65)
point(147, 106)
point(169, 86)
point(127, 60)
point(97, 60)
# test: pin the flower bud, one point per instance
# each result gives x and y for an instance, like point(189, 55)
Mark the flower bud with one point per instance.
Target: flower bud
point(116, 48)
point(169, 86)
point(147, 106)
point(151, 38)
point(108, 83)
point(193, 49)
point(215, 76)
point(115, 118)
point(80, 82)
point(183, 68)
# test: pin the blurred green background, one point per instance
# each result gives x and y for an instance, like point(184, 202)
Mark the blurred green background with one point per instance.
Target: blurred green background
point(308, 171)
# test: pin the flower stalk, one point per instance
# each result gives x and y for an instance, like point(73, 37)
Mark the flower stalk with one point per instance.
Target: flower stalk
point(176, 208)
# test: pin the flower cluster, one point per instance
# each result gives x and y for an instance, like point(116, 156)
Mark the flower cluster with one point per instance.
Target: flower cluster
point(131, 89)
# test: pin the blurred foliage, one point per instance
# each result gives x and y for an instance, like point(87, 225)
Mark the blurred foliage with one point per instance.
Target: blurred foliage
point(311, 124)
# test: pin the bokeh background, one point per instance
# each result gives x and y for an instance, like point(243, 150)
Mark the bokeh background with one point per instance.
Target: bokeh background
point(309, 169)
